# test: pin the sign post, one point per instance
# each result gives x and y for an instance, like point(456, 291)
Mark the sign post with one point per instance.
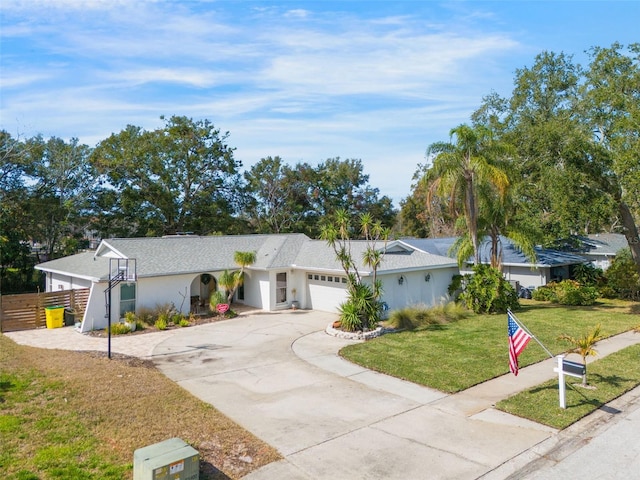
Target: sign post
point(566, 367)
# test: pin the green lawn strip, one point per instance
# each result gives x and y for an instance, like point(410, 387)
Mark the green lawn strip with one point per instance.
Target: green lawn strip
point(455, 356)
point(611, 376)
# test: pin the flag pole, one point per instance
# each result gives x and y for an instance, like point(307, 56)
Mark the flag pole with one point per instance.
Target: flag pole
point(522, 325)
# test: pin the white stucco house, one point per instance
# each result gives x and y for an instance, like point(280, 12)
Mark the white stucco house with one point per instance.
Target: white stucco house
point(183, 270)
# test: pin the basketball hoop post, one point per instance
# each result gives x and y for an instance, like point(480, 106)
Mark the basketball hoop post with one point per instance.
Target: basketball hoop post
point(120, 270)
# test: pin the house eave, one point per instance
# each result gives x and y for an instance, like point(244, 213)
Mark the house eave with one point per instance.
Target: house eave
point(69, 274)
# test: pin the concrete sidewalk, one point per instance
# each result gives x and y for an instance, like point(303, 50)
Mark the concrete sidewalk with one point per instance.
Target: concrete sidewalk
point(279, 376)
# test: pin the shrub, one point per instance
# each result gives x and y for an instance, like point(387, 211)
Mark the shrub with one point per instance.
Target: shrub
point(184, 322)
point(567, 292)
point(161, 322)
point(587, 274)
point(146, 315)
point(176, 318)
point(608, 292)
point(622, 276)
point(570, 292)
point(420, 316)
point(216, 299)
point(545, 293)
point(486, 291)
point(168, 309)
point(456, 286)
point(119, 329)
point(350, 317)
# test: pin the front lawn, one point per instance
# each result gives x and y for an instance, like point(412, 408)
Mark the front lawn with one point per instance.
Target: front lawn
point(455, 356)
point(611, 376)
point(78, 416)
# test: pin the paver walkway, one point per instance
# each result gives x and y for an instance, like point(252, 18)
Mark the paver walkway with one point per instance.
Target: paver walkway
point(279, 376)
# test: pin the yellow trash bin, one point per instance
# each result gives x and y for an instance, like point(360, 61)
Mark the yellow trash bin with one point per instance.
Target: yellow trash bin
point(54, 317)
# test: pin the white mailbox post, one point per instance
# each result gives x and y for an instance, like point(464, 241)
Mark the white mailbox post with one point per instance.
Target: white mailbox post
point(566, 367)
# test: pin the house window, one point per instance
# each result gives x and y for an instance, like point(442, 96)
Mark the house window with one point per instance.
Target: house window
point(329, 279)
point(310, 277)
point(281, 288)
point(316, 277)
point(344, 280)
point(127, 298)
point(240, 293)
point(322, 278)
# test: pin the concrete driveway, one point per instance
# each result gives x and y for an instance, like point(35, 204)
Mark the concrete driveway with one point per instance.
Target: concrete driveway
point(278, 376)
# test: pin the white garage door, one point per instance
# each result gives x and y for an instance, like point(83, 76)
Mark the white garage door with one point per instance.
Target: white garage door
point(326, 292)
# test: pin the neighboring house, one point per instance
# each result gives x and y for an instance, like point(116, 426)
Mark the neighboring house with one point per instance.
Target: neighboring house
point(550, 265)
point(184, 270)
point(601, 248)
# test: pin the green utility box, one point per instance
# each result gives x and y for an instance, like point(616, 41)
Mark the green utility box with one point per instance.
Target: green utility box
point(172, 459)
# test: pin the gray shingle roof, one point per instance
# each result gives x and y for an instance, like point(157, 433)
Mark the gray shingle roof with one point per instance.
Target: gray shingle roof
point(192, 254)
point(317, 254)
point(83, 265)
point(604, 243)
point(511, 255)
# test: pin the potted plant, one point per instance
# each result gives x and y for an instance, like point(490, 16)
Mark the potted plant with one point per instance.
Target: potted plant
point(130, 320)
point(294, 303)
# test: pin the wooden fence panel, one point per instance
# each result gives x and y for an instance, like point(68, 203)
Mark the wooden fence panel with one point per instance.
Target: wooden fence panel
point(27, 311)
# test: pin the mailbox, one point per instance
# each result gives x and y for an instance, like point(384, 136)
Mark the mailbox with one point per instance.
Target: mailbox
point(574, 368)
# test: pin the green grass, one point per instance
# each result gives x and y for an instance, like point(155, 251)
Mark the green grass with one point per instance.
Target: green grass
point(78, 415)
point(611, 376)
point(44, 435)
point(455, 356)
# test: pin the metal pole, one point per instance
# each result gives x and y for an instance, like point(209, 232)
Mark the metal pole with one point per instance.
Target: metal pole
point(530, 334)
point(109, 323)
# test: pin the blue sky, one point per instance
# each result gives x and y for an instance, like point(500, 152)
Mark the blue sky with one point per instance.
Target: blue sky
point(374, 80)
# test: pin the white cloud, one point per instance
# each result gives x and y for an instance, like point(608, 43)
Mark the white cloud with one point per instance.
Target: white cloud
point(300, 83)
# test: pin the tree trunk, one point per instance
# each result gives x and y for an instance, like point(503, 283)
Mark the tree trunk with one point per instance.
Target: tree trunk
point(630, 232)
point(472, 218)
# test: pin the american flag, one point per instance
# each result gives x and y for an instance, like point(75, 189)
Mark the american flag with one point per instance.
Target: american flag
point(518, 339)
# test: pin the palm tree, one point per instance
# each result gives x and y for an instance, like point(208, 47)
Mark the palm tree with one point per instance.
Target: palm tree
point(231, 281)
point(362, 308)
point(583, 346)
point(460, 168)
point(497, 218)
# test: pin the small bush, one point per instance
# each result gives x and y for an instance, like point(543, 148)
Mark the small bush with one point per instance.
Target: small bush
point(146, 315)
point(486, 291)
point(608, 292)
point(544, 293)
point(161, 322)
point(119, 329)
point(216, 299)
point(622, 276)
point(587, 274)
point(570, 292)
point(420, 316)
point(350, 317)
point(184, 322)
point(176, 318)
point(566, 292)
